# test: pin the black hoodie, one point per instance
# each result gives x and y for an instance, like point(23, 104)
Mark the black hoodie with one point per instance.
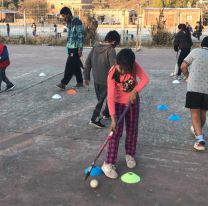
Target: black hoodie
point(182, 41)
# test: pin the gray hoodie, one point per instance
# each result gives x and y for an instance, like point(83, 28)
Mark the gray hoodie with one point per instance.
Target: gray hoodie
point(100, 59)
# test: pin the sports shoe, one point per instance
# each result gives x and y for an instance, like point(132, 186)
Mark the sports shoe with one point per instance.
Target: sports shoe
point(97, 124)
point(106, 116)
point(9, 88)
point(61, 86)
point(172, 74)
point(192, 130)
point(79, 85)
point(130, 161)
point(181, 77)
point(200, 143)
point(109, 170)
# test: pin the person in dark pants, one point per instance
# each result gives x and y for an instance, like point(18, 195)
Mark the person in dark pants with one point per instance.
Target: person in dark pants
point(100, 59)
point(8, 29)
point(4, 63)
point(34, 29)
point(198, 30)
point(182, 45)
point(73, 65)
point(74, 48)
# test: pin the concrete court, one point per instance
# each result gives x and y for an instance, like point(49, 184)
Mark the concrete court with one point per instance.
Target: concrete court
point(46, 144)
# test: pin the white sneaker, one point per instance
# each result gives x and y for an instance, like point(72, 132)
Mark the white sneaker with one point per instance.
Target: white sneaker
point(130, 161)
point(172, 74)
point(192, 130)
point(109, 170)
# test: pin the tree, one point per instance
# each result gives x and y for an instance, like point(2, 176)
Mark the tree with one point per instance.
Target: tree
point(11, 4)
point(172, 3)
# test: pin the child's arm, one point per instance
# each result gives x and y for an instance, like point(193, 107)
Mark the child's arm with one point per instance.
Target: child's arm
point(111, 92)
point(111, 98)
point(112, 57)
point(88, 66)
point(144, 79)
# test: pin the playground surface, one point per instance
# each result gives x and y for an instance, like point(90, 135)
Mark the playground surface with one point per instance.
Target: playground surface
point(46, 144)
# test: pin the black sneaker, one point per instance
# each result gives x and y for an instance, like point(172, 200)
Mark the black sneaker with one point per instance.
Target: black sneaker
point(9, 88)
point(97, 124)
point(79, 85)
point(61, 86)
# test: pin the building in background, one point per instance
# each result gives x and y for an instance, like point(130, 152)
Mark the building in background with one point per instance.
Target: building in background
point(54, 6)
point(172, 16)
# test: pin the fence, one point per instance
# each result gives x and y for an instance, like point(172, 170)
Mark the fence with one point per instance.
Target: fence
point(30, 22)
point(131, 24)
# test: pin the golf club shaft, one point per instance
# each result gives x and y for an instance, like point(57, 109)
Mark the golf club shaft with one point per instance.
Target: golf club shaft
point(112, 132)
point(106, 141)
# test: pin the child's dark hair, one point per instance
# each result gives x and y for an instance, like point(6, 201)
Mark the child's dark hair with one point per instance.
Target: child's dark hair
point(125, 59)
point(66, 11)
point(113, 36)
point(205, 42)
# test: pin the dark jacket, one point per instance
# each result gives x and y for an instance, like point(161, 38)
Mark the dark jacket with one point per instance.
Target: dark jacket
point(75, 37)
point(182, 41)
point(4, 57)
point(100, 59)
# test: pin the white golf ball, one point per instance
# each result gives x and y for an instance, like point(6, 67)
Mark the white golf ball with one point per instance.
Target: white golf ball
point(94, 183)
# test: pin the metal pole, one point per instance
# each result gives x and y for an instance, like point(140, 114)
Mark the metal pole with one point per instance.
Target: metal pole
point(139, 28)
point(25, 25)
point(123, 27)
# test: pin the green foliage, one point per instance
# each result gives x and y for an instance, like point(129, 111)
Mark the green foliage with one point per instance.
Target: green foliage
point(162, 38)
point(11, 4)
point(172, 3)
point(90, 25)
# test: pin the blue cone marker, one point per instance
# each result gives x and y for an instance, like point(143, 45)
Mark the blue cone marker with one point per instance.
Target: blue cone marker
point(96, 171)
point(174, 118)
point(162, 107)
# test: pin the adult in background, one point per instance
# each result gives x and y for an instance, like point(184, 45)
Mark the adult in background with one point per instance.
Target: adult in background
point(189, 27)
point(74, 48)
point(8, 29)
point(195, 70)
point(182, 45)
point(55, 31)
point(198, 30)
point(34, 29)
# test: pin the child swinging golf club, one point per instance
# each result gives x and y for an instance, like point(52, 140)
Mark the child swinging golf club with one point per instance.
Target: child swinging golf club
point(123, 88)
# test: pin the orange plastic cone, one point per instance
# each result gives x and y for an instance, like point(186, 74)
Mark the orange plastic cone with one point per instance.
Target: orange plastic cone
point(71, 92)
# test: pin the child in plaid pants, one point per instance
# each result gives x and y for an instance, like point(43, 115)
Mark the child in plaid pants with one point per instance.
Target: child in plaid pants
point(122, 89)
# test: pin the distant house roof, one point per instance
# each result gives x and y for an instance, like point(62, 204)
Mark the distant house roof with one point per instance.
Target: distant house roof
point(7, 11)
point(165, 9)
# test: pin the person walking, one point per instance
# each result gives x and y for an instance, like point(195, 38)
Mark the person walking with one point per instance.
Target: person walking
point(195, 70)
point(182, 45)
point(100, 59)
point(74, 46)
point(4, 63)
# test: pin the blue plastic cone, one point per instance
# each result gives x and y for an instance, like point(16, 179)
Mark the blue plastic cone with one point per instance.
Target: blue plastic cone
point(162, 107)
point(96, 171)
point(174, 118)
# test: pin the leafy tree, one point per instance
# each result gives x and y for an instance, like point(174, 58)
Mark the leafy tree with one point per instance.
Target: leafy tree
point(11, 4)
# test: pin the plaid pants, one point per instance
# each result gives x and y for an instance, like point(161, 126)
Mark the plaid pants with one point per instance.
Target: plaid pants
point(131, 123)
